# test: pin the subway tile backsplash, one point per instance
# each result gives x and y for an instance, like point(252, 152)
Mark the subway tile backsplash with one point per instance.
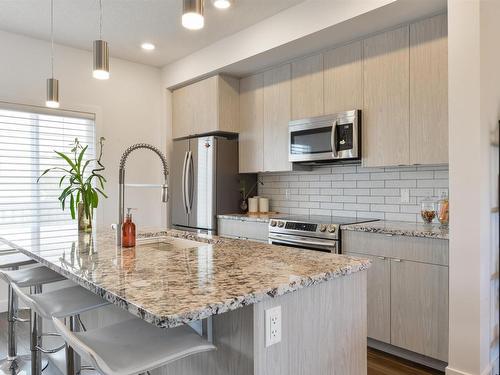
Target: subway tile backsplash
point(355, 191)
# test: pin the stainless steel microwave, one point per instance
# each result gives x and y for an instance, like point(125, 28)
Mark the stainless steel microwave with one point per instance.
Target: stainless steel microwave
point(325, 139)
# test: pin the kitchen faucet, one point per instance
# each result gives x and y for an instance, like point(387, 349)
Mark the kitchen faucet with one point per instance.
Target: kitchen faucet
point(121, 182)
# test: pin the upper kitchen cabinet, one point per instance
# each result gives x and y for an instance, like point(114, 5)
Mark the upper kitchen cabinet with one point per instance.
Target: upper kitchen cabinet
point(206, 106)
point(429, 91)
point(277, 110)
point(386, 122)
point(343, 78)
point(307, 87)
point(251, 136)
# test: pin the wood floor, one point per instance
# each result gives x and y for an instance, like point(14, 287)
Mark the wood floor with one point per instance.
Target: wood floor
point(379, 363)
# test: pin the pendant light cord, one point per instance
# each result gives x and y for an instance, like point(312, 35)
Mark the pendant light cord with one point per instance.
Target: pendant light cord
point(100, 19)
point(52, 37)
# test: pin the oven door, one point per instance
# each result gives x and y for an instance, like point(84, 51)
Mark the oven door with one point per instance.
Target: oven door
point(309, 243)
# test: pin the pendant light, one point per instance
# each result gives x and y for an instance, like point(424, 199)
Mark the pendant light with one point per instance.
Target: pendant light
point(192, 14)
point(52, 83)
point(101, 53)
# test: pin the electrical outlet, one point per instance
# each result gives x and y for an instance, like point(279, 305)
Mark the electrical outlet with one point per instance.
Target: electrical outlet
point(273, 325)
point(405, 195)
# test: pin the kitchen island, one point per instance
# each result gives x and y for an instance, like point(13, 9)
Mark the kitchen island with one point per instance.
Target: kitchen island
point(168, 281)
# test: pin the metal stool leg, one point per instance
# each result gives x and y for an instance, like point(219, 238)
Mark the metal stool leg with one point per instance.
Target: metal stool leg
point(73, 362)
point(35, 340)
point(11, 318)
point(14, 363)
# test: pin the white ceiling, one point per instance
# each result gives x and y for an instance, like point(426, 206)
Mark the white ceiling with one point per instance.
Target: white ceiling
point(128, 23)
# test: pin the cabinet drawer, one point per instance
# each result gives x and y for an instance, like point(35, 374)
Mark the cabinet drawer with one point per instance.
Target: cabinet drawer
point(418, 249)
point(243, 229)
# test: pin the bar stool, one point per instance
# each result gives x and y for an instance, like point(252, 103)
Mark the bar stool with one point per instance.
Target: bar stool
point(62, 303)
point(12, 261)
point(33, 278)
point(133, 346)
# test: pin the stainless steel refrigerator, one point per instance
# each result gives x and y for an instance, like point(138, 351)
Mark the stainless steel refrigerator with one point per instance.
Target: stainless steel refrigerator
point(204, 182)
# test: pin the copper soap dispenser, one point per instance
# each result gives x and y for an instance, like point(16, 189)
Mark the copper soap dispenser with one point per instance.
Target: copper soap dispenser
point(128, 230)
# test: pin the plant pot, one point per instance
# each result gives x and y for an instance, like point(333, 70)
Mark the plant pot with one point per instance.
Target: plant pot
point(84, 222)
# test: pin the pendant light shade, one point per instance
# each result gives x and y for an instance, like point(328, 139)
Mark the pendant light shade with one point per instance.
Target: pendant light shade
point(101, 59)
point(192, 14)
point(52, 93)
point(101, 53)
point(52, 100)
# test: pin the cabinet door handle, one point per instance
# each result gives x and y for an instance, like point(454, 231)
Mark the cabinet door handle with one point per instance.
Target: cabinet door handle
point(396, 260)
point(381, 258)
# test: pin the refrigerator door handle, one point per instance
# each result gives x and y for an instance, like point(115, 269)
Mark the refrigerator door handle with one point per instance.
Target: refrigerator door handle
point(190, 184)
point(184, 181)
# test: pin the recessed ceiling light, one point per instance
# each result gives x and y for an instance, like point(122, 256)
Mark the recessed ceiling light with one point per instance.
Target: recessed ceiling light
point(222, 4)
point(148, 46)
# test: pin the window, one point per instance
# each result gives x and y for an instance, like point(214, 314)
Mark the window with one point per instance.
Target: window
point(28, 138)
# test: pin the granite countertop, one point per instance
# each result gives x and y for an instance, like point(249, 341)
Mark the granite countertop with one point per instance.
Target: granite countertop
point(258, 216)
point(171, 287)
point(400, 228)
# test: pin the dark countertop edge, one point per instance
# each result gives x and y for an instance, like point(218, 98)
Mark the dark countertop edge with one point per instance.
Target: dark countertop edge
point(172, 321)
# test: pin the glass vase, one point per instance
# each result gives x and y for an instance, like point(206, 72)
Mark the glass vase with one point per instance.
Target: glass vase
point(84, 222)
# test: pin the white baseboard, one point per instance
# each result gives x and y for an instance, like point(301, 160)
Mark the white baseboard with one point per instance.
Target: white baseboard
point(489, 370)
point(451, 371)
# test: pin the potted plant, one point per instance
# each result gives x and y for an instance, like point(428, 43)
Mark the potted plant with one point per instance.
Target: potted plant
point(80, 183)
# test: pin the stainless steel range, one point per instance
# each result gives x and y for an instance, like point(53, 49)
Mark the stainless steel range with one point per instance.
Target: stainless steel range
point(321, 233)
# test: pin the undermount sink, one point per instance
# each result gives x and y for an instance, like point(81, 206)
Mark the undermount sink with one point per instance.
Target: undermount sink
point(167, 243)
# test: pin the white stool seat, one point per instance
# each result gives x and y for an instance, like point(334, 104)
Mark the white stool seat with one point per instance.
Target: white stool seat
point(133, 346)
point(15, 260)
point(62, 303)
point(31, 276)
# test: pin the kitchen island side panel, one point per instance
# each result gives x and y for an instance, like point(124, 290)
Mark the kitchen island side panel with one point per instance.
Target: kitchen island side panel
point(323, 330)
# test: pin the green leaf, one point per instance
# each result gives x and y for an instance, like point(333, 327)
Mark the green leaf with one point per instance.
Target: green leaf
point(68, 160)
point(80, 157)
point(85, 166)
point(72, 206)
point(64, 193)
point(61, 180)
point(43, 174)
point(102, 192)
point(95, 200)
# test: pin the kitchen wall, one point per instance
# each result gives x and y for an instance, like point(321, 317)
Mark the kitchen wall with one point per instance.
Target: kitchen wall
point(354, 191)
point(129, 108)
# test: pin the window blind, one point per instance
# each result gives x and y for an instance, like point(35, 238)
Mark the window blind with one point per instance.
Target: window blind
point(28, 138)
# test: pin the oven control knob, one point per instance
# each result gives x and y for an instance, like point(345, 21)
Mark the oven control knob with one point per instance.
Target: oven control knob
point(322, 228)
point(281, 224)
point(273, 223)
point(332, 229)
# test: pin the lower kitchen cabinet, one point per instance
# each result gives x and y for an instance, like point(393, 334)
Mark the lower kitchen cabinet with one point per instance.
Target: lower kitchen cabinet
point(243, 229)
point(419, 308)
point(407, 290)
point(378, 297)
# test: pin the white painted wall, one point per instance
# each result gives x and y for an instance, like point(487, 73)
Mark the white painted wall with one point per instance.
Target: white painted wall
point(130, 108)
point(474, 109)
